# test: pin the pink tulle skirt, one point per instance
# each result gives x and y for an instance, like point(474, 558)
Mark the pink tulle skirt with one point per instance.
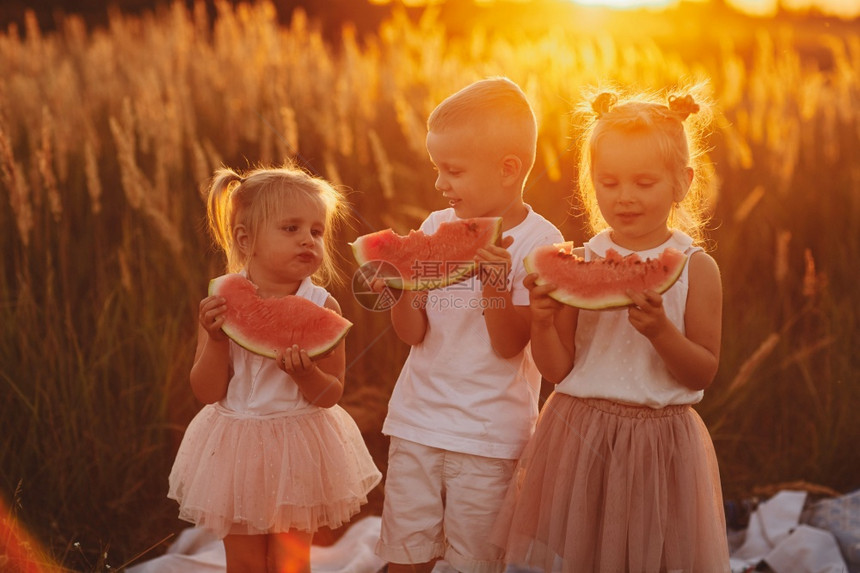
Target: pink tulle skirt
point(609, 487)
point(255, 475)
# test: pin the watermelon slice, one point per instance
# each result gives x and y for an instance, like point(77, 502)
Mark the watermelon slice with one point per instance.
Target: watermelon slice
point(419, 261)
point(265, 325)
point(602, 283)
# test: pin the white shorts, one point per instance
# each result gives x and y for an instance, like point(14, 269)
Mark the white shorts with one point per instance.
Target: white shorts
point(442, 504)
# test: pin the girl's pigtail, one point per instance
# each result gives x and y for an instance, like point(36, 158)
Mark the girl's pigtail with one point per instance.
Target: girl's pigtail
point(603, 103)
point(683, 106)
point(219, 208)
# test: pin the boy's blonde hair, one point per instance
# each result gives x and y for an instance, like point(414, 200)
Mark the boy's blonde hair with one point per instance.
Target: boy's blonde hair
point(679, 126)
point(499, 108)
point(250, 199)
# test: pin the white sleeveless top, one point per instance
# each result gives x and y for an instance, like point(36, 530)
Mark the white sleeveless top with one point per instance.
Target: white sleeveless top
point(258, 387)
point(613, 360)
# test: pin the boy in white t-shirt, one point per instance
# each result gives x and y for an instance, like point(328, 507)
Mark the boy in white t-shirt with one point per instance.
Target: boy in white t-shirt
point(467, 398)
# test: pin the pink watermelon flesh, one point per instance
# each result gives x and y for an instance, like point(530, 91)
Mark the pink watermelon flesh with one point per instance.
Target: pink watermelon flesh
point(265, 325)
point(422, 262)
point(602, 283)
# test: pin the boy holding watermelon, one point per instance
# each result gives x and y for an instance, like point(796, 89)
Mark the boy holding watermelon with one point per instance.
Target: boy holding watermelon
point(466, 400)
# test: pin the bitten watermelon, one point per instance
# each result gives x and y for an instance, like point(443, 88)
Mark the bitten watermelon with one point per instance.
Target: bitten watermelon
point(602, 283)
point(265, 325)
point(419, 261)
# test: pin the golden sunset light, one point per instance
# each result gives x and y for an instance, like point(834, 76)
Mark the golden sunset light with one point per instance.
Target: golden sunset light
point(627, 4)
point(839, 8)
point(118, 117)
point(763, 8)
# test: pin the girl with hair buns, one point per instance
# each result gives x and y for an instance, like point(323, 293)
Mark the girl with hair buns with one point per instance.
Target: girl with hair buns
point(271, 457)
point(621, 474)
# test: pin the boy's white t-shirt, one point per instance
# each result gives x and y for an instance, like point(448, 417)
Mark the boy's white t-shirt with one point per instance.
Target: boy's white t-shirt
point(454, 392)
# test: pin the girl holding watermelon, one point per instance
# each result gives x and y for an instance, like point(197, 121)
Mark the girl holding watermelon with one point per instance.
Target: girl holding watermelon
point(621, 474)
point(271, 457)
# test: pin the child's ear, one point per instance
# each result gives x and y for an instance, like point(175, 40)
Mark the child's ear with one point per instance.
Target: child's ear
point(511, 166)
point(682, 190)
point(242, 239)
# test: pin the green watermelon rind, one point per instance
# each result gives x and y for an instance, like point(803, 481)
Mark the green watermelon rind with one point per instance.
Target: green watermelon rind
point(462, 274)
point(609, 301)
point(266, 350)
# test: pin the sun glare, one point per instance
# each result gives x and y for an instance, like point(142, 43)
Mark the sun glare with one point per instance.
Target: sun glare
point(625, 4)
point(18, 550)
point(839, 8)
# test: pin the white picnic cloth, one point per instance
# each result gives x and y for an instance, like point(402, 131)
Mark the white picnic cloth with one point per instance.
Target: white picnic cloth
point(198, 551)
point(775, 536)
point(807, 549)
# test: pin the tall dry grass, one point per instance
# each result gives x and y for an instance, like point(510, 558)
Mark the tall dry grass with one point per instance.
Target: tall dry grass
point(107, 135)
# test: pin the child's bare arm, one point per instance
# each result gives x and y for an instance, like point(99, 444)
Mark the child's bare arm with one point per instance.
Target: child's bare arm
point(553, 327)
point(409, 318)
point(320, 381)
point(507, 324)
point(693, 358)
point(210, 373)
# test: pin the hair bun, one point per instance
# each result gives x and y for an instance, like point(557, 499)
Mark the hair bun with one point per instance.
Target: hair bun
point(603, 103)
point(683, 106)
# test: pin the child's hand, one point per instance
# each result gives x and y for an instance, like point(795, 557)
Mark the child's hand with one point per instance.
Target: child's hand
point(213, 310)
point(646, 314)
point(376, 285)
point(494, 264)
point(415, 298)
point(370, 276)
point(543, 307)
point(295, 361)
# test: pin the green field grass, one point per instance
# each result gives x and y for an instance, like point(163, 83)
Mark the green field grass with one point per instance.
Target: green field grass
point(107, 136)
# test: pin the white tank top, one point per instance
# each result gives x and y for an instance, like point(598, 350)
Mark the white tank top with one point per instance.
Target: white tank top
point(613, 360)
point(258, 387)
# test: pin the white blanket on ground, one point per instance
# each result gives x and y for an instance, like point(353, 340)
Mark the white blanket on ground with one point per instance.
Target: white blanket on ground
point(197, 551)
point(775, 536)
